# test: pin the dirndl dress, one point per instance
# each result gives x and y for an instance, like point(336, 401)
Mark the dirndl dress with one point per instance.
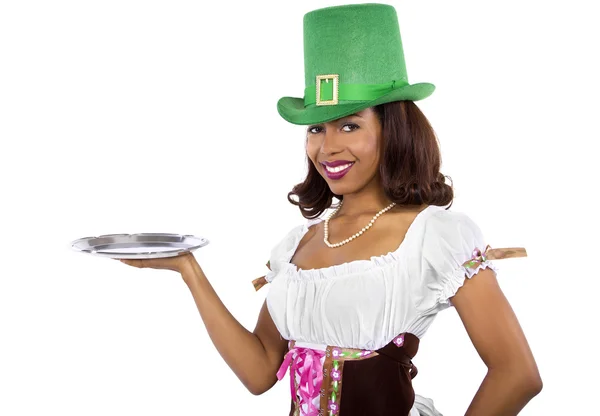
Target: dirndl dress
point(354, 329)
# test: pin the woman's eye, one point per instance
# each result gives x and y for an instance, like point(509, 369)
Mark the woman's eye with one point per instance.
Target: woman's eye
point(346, 127)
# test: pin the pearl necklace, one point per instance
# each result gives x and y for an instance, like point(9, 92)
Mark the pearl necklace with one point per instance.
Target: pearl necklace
point(358, 234)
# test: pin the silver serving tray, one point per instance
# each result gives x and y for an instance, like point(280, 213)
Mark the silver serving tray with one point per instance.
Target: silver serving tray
point(138, 246)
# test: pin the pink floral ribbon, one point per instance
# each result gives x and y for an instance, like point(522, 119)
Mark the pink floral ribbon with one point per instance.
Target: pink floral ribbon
point(494, 254)
point(305, 362)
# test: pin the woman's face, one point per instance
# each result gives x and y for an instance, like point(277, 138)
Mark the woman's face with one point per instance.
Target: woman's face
point(346, 151)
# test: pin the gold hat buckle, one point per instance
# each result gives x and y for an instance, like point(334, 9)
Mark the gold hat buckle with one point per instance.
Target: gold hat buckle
point(336, 84)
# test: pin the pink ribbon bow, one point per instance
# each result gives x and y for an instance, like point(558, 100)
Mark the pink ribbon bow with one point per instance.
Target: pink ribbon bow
point(477, 256)
point(305, 362)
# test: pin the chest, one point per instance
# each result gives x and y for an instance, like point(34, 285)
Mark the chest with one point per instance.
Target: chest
point(313, 253)
point(357, 304)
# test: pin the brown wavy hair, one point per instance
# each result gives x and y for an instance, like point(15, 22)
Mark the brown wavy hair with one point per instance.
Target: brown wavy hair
point(410, 167)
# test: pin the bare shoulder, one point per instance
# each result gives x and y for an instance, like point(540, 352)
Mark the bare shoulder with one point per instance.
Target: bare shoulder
point(313, 231)
point(400, 218)
point(308, 246)
point(406, 212)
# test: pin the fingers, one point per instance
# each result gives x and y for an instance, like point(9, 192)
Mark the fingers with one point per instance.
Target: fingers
point(171, 263)
point(133, 262)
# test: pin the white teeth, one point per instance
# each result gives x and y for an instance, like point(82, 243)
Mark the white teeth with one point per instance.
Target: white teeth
point(337, 168)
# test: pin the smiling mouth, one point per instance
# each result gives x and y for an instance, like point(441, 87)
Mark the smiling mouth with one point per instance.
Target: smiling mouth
point(337, 169)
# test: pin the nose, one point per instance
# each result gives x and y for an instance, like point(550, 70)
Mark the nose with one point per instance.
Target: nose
point(331, 143)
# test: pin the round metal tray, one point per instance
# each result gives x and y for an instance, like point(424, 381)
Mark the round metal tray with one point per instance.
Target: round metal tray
point(138, 246)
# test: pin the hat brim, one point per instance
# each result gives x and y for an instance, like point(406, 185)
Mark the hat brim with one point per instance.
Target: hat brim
point(293, 110)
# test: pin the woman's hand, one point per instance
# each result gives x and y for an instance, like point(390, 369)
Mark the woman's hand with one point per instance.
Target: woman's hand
point(176, 263)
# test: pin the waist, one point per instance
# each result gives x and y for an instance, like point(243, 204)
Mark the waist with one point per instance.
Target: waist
point(301, 344)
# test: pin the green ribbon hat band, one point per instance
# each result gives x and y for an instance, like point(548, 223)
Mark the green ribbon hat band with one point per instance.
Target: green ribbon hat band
point(331, 91)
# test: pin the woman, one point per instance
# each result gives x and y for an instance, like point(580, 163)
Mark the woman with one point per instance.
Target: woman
point(341, 314)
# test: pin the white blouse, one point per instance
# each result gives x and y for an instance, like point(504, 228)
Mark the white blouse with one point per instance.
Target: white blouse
point(364, 304)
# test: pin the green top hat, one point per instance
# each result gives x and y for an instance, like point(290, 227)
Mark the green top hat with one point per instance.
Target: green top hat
point(353, 59)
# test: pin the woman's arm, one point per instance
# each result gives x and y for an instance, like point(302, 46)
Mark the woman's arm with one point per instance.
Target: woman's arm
point(263, 349)
point(513, 378)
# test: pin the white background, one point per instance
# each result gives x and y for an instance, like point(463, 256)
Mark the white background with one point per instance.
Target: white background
point(160, 116)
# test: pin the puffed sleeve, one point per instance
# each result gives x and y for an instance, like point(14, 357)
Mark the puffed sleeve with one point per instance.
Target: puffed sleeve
point(452, 250)
point(280, 253)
